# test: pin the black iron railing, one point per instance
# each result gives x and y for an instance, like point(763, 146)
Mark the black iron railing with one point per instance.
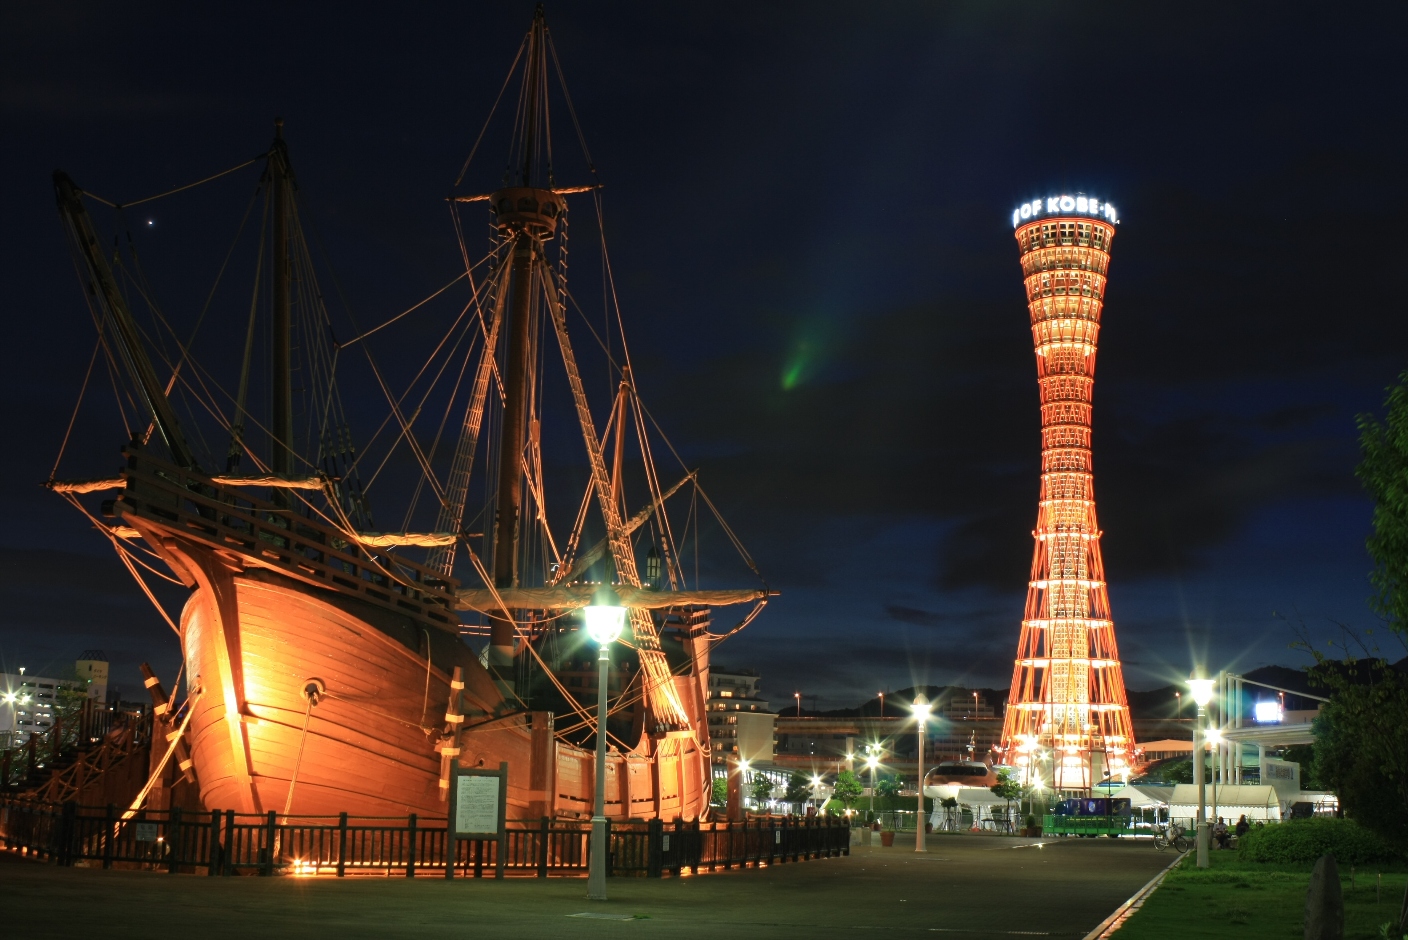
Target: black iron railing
point(227, 843)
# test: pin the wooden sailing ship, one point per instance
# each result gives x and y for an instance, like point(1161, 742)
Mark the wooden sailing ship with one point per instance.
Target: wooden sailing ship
point(326, 662)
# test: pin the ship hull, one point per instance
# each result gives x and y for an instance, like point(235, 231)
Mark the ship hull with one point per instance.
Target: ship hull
point(254, 640)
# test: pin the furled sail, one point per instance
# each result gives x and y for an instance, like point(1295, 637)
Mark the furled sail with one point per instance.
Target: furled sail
point(567, 597)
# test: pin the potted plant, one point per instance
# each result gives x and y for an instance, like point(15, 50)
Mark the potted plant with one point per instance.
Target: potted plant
point(887, 837)
point(1032, 828)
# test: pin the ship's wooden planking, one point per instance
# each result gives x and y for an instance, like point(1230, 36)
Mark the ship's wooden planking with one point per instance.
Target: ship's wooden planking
point(265, 619)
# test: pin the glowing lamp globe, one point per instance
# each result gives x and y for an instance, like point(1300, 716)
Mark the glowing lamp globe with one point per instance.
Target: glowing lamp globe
point(921, 707)
point(1201, 689)
point(605, 617)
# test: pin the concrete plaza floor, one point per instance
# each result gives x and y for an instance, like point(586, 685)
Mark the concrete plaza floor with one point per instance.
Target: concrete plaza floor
point(966, 887)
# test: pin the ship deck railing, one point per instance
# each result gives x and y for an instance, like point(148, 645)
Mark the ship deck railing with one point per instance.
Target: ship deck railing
point(219, 842)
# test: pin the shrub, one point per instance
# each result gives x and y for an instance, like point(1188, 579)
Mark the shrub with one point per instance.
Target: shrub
point(1305, 840)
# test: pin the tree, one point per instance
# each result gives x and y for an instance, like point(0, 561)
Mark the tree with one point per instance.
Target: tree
point(1360, 749)
point(1383, 470)
point(887, 786)
point(1006, 788)
point(798, 789)
point(848, 788)
point(720, 794)
point(1361, 752)
point(761, 788)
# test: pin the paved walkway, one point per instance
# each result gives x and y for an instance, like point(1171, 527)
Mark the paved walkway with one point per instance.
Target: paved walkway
point(967, 887)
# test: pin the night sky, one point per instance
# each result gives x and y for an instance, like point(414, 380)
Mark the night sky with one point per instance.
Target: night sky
point(808, 210)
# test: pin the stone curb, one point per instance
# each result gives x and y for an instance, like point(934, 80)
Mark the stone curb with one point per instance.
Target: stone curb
point(1122, 913)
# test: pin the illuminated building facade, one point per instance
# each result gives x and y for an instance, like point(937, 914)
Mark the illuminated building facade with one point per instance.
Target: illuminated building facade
point(1067, 721)
point(740, 724)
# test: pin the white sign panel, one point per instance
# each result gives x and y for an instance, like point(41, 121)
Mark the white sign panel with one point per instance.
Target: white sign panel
point(476, 805)
point(145, 831)
point(1063, 205)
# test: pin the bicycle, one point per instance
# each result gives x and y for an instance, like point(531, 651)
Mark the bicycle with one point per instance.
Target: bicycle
point(1170, 834)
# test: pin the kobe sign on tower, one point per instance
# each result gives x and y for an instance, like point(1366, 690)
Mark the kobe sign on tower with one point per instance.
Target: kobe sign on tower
point(1067, 722)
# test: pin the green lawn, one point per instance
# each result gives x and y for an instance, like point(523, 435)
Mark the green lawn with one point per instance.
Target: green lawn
point(1240, 899)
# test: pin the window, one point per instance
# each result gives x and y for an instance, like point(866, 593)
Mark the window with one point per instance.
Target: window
point(725, 693)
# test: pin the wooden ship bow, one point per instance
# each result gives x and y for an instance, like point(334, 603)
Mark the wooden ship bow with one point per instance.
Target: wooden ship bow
point(331, 666)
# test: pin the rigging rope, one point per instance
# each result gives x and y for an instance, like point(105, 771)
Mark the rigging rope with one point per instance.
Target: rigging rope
point(298, 761)
point(166, 758)
point(458, 277)
point(83, 390)
point(178, 189)
point(475, 149)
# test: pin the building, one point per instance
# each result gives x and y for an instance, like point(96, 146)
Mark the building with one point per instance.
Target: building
point(27, 704)
point(92, 668)
point(740, 724)
point(1067, 696)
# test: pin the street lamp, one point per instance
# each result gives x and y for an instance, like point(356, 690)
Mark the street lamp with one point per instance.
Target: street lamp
point(1201, 690)
point(872, 762)
point(921, 714)
point(798, 697)
point(882, 704)
point(605, 617)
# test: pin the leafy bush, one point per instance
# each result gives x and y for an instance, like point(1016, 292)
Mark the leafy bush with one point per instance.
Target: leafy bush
point(1305, 840)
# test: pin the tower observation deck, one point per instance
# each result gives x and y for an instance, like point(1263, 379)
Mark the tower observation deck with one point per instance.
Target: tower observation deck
point(1067, 715)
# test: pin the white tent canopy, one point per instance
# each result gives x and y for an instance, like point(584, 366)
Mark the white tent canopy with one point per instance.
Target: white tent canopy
point(1144, 795)
point(1256, 801)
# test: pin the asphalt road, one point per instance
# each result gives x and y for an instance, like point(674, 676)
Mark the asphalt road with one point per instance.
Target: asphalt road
point(966, 886)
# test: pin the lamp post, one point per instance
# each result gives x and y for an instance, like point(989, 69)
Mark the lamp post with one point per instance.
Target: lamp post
point(743, 789)
point(1201, 690)
point(605, 618)
point(798, 697)
point(921, 713)
point(872, 761)
point(882, 704)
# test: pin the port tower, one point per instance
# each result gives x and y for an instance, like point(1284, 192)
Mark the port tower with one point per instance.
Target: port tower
point(1067, 723)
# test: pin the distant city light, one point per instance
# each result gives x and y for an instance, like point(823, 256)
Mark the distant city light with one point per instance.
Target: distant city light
point(1268, 712)
point(1063, 205)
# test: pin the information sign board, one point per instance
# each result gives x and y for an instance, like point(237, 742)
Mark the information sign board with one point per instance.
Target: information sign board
point(477, 805)
point(478, 798)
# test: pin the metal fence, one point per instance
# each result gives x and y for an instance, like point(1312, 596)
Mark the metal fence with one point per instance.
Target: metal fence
point(229, 843)
point(26, 759)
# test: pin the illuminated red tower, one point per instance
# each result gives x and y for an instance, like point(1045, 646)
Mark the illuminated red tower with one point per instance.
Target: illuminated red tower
point(1067, 717)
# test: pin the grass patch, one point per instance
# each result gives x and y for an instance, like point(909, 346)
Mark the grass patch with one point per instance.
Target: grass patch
point(1239, 899)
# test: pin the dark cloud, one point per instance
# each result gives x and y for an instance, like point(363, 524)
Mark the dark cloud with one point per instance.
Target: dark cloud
point(922, 618)
point(807, 211)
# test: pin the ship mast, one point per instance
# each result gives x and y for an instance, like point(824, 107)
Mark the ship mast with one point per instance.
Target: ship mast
point(527, 217)
point(281, 419)
point(103, 288)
